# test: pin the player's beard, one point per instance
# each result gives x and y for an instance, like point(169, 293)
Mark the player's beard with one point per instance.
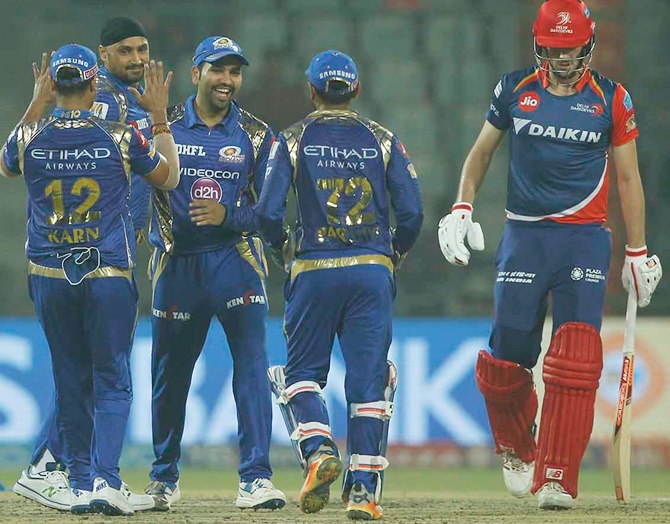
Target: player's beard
point(221, 103)
point(566, 75)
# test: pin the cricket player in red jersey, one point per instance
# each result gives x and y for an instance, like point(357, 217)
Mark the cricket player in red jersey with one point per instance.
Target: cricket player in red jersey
point(567, 123)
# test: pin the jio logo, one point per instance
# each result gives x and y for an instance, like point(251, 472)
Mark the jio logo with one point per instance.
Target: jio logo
point(529, 101)
point(206, 188)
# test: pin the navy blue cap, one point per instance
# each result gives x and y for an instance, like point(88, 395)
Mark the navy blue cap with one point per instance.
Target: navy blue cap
point(215, 47)
point(333, 65)
point(77, 57)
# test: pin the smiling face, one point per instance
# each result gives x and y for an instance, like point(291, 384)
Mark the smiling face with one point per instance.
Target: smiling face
point(218, 82)
point(125, 59)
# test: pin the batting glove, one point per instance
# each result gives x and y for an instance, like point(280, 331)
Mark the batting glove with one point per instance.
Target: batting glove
point(642, 273)
point(452, 231)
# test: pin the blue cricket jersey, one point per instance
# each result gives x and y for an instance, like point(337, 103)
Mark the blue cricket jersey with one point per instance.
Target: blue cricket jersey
point(77, 168)
point(343, 168)
point(116, 103)
point(559, 166)
point(225, 163)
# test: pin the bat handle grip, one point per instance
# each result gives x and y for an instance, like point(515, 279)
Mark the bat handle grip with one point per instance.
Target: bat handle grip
point(631, 317)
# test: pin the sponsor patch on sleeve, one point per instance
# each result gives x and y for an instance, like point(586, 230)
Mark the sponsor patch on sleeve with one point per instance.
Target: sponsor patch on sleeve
point(630, 123)
point(100, 109)
point(628, 102)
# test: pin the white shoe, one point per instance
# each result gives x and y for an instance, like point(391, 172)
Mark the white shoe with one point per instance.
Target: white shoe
point(259, 494)
point(110, 501)
point(164, 494)
point(49, 488)
point(518, 475)
point(140, 501)
point(553, 496)
point(80, 501)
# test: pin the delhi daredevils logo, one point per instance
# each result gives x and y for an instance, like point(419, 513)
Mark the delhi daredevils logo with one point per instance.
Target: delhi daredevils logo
point(206, 188)
point(529, 101)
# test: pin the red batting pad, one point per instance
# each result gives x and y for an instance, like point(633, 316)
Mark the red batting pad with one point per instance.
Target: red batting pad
point(511, 402)
point(570, 372)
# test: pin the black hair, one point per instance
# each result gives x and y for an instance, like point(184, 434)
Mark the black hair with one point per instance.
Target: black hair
point(336, 93)
point(64, 84)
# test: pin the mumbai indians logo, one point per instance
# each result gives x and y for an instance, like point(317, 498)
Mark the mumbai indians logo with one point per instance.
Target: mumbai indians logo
point(231, 154)
point(225, 43)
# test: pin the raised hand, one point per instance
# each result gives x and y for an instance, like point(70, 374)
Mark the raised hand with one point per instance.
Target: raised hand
point(43, 91)
point(156, 94)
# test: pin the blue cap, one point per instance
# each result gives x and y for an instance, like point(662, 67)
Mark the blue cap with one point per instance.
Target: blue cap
point(77, 57)
point(215, 47)
point(333, 65)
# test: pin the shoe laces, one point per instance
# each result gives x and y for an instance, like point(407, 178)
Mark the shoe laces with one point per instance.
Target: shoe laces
point(157, 487)
point(58, 479)
point(555, 487)
point(512, 462)
point(261, 483)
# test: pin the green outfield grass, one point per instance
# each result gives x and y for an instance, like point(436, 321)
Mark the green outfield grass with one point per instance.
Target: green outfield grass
point(410, 495)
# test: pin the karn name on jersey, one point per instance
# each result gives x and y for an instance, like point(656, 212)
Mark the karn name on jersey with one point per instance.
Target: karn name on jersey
point(565, 133)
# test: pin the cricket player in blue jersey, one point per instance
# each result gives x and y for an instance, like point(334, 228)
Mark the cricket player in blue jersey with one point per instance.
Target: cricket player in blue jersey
point(564, 119)
point(124, 50)
point(348, 174)
point(81, 251)
point(209, 262)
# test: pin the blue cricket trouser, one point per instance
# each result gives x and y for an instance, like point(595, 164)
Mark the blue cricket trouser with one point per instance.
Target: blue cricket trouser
point(534, 260)
point(356, 304)
point(89, 328)
point(189, 290)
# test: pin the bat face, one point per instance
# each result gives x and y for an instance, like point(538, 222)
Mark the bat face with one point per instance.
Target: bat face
point(621, 437)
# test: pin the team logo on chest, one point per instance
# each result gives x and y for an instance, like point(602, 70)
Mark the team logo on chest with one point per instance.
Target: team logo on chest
point(529, 101)
point(231, 154)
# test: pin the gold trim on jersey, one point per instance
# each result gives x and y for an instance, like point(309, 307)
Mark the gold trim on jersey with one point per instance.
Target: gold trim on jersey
point(162, 210)
point(157, 264)
point(302, 265)
point(244, 249)
point(26, 133)
point(256, 130)
point(105, 84)
point(57, 272)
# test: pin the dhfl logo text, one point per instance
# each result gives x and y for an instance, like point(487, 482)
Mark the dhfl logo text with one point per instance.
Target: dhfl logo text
point(529, 101)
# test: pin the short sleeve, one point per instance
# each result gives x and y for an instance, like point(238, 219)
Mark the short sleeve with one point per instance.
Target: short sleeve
point(498, 114)
point(624, 127)
point(11, 154)
point(143, 160)
point(106, 107)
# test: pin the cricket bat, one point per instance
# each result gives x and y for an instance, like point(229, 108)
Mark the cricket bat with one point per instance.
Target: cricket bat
point(622, 422)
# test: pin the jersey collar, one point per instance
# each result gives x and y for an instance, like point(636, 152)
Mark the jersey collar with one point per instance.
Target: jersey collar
point(192, 119)
point(71, 114)
point(579, 86)
point(120, 83)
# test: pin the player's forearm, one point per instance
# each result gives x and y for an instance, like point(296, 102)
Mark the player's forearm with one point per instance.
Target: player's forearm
point(164, 144)
point(632, 206)
point(472, 175)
